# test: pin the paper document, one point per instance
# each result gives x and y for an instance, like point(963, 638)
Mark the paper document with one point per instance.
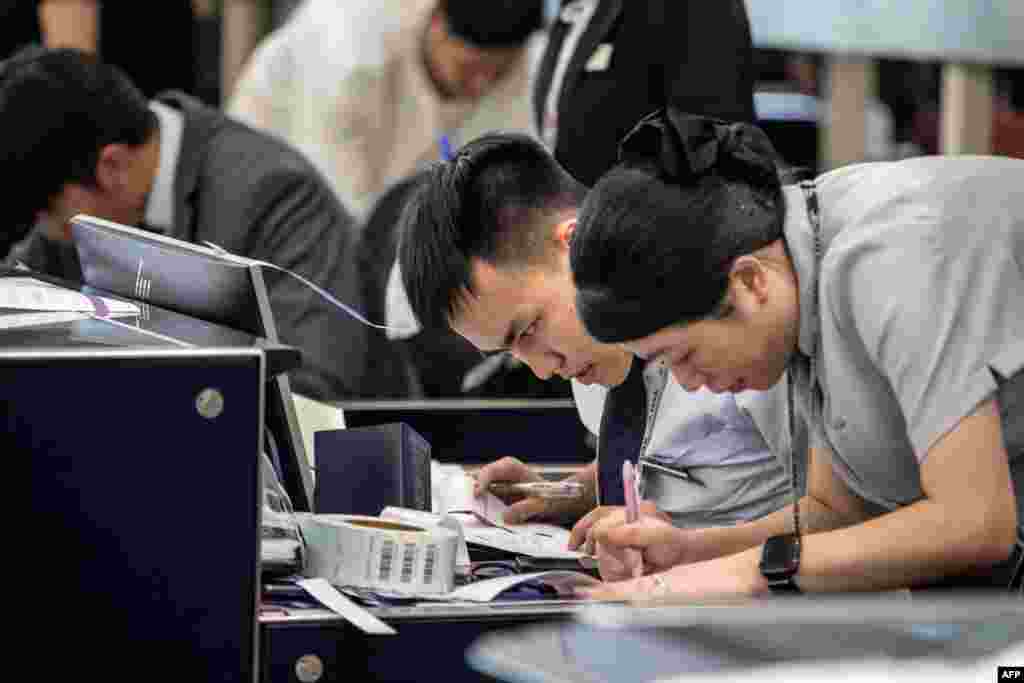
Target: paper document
point(488, 589)
point(29, 294)
point(330, 597)
point(481, 519)
point(11, 321)
point(532, 540)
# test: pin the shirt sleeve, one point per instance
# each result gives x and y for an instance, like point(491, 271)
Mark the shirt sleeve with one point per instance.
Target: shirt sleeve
point(938, 311)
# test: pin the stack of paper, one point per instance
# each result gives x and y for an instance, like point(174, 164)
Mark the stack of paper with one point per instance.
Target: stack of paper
point(27, 302)
point(481, 520)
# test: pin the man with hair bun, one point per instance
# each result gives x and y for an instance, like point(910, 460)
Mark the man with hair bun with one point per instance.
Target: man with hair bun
point(890, 296)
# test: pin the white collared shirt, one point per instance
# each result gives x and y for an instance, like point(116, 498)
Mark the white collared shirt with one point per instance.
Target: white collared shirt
point(345, 83)
point(160, 202)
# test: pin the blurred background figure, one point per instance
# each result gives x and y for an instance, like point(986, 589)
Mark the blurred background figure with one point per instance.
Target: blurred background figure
point(609, 63)
point(371, 90)
point(606, 64)
point(166, 45)
point(88, 141)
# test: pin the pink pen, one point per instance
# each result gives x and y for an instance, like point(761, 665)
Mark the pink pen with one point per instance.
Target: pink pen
point(632, 507)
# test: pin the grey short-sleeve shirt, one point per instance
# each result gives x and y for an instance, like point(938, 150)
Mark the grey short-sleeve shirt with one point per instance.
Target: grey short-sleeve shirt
point(921, 295)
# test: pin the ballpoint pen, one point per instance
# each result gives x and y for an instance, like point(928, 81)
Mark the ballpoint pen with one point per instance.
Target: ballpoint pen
point(632, 507)
point(444, 143)
point(538, 489)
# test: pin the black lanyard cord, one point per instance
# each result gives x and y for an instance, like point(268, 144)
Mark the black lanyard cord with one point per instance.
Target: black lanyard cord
point(799, 440)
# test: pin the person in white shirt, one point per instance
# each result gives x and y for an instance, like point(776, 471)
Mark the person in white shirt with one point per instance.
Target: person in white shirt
point(370, 90)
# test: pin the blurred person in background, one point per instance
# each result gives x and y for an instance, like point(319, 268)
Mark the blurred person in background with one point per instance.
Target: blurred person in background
point(609, 63)
point(371, 90)
point(89, 142)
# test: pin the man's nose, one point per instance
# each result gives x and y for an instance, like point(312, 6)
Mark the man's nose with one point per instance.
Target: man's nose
point(543, 364)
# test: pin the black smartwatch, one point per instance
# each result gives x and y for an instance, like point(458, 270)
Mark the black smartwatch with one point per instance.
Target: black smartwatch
point(780, 561)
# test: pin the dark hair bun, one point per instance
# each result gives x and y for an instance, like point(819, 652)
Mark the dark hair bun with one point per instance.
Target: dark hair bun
point(683, 148)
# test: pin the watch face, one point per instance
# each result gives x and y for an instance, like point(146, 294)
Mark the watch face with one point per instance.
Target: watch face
point(780, 555)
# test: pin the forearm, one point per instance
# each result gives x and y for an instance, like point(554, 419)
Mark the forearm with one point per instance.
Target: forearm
point(954, 529)
point(900, 549)
point(815, 517)
point(912, 546)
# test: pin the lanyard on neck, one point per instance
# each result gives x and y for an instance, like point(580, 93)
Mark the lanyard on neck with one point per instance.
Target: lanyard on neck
point(805, 368)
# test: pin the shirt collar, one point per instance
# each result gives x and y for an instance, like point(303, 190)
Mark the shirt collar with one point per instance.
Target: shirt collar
point(800, 243)
point(399, 317)
point(160, 203)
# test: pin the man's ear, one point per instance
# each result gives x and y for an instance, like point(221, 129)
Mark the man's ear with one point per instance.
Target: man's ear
point(113, 168)
point(749, 276)
point(438, 20)
point(564, 231)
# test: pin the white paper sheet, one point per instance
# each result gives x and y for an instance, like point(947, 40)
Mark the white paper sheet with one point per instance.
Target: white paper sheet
point(481, 520)
point(29, 294)
point(330, 597)
point(488, 589)
point(11, 321)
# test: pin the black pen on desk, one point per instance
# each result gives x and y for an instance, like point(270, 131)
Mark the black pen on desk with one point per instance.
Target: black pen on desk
point(678, 474)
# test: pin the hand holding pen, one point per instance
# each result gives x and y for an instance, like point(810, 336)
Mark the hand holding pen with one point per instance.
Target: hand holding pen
point(529, 496)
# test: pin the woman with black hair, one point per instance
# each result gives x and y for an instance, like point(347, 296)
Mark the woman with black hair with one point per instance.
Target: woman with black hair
point(893, 296)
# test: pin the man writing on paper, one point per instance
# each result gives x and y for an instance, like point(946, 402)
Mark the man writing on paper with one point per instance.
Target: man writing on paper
point(82, 139)
point(484, 248)
point(890, 295)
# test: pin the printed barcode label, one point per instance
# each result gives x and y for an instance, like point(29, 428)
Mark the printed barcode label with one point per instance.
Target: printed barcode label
point(428, 564)
point(408, 562)
point(387, 556)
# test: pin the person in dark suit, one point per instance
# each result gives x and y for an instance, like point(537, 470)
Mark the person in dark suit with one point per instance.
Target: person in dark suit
point(89, 142)
point(623, 60)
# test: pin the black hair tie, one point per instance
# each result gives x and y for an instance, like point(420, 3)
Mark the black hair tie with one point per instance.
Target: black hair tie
point(683, 148)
